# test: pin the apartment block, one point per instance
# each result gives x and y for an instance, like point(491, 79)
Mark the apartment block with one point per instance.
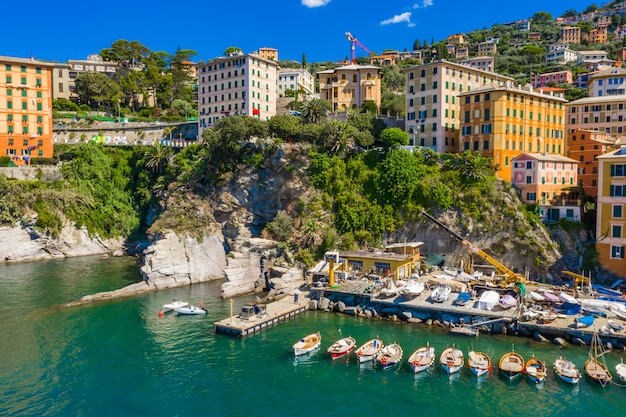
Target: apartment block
point(237, 84)
point(64, 78)
point(570, 34)
point(433, 113)
point(608, 82)
point(484, 63)
point(558, 77)
point(504, 121)
point(560, 53)
point(544, 178)
point(606, 114)
point(585, 146)
point(295, 79)
point(598, 35)
point(487, 49)
point(268, 53)
point(610, 223)
point(350, 86)
point(26, 110)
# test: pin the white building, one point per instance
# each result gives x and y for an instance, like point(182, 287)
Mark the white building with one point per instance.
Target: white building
point(560, 53)
point(295, 79)
point(236, 85)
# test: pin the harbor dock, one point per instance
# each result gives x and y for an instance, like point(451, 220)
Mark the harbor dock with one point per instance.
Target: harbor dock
point(242, 325)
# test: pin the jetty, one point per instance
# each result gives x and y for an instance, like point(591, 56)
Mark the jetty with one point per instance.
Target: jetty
point(255, 317)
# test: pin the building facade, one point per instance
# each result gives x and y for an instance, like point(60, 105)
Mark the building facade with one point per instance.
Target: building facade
point(606, 114)
point(559, 77)
point(570, 34)
point(585, 146)
point(236, 85)
point(487, 49)
point(64, 78)
point(350, 86)
point(610, 214)
point(609, 82)
point(433, 116)
point(483, 63)
point(504, 121)
point(560, 53)
point(295, 79)
point(26, 110)
point(544, 178)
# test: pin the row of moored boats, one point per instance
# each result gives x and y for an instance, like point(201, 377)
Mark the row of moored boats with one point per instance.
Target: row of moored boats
point(452, 360)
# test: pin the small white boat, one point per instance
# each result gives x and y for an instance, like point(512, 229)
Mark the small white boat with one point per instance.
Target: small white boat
point(536, 370)
point(618, 327)
point(441, 293)
point(452, 360)
point(595, 366)
point(479, 363)
point(620, 369)
point(389, 288)
point(422, 358)
point(566, 370)
point(307, 344)
point(390, 355)
point(535, 296)
point(176, 303)
point(412, 288)
point(190, 311)
point(568, 298)
point(368, 351)
point(341, 347)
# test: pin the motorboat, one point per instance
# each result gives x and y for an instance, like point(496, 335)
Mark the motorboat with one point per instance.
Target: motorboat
point(441, 293)
point(342, 347)
point(511, 365)
point(390, 355)
point(191, 310)
point(452, 360)
point(176, 303)
point(307, 344)
point(536, 370)
point(566, 370)
point(422, 358)
point(368, 351)
point(479, 363)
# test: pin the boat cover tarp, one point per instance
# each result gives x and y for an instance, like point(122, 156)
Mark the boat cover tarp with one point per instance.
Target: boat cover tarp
point(463, 297)
point(586, 320)
point(571, 309)
point(488, 300)
point(551, 297)
point(456, 286)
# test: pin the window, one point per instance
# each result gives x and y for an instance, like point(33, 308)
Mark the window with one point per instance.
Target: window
point(616, 191)
point(617, 211)
point(531, 196)
point(616, 231)
point(617, 170)
point(529, 179)
point(617, 252)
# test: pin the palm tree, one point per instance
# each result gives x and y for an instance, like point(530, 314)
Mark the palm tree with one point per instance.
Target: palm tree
point(475, 168)
point(314, 111)
point(158, 157)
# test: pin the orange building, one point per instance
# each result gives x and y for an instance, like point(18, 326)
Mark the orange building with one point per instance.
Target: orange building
point(25, 109)
point(504, 121)
point(585, 146)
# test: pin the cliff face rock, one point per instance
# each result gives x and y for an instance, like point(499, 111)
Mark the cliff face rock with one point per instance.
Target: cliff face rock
point(23, 243)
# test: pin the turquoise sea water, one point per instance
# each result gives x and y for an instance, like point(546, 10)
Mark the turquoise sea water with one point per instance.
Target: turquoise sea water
point(119, 358)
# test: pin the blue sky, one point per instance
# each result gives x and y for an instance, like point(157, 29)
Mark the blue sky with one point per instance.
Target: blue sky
point(74, 29)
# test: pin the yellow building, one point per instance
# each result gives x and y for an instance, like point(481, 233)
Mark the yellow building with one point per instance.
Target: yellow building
point(268, 53)
point(26, 110)
point(610, 223)
point(350, 86)
point(398, 260)
point(504, 121)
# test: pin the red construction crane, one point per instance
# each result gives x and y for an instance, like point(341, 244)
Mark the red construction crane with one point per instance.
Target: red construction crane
point(354, 41)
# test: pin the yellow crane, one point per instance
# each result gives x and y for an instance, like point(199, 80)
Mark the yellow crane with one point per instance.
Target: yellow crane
point(510, 277)
point(579, 280)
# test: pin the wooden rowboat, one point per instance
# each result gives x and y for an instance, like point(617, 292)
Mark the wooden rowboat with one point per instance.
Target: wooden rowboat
point(536, 370)
point(479, 363)
point(422, 358)
point(368, 351)
point(307, 344)
point(511, 365)
point(341, 347)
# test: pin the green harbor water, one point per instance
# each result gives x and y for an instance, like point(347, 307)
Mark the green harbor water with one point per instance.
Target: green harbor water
point(119, 358)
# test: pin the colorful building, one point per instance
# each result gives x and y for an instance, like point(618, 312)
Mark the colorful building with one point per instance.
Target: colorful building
point(604, 113)
point(608, 82)
point(558, 77)
point(26, 110)
point(504, 121)
point(570, 34)
point(610, 223)
point(585, 146)
point(350, 86)
point(545, 179)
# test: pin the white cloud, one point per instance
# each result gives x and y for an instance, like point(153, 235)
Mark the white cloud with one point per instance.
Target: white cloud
point(399, 18)
point(318, 3)
point(425, 3)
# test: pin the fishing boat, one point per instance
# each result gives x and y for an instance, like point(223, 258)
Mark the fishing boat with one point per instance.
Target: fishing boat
point(191, 310)
point(368, 351)
point(566, 370)
point(507, 301)
point(595, 366)
point(441, 293)
point(341, 347)
point(584, 321)
point(464, 330)
point(390, 355)
point(536, 370)
point(511, 365)
point(618, 327)
point(176, 303)
point(452, 360)
point(307, 344)
point(479, 363)
point(620, 368)
point(422, 358)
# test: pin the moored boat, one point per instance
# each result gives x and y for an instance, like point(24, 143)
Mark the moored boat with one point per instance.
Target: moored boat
point(368, 351)
point(307, 344)
point(451, 360)
point(511, 365)
point(191, 310)
point(341, 347)
point(536, 370)
point(441, 293)
point(422, 358)
point(620, 368)
point(566, 370)
point(595, 366)
point(176, 303)
point(390, 355)
point(479, 363)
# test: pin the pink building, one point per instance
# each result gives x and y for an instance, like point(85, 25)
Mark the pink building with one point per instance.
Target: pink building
point(542, 80)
